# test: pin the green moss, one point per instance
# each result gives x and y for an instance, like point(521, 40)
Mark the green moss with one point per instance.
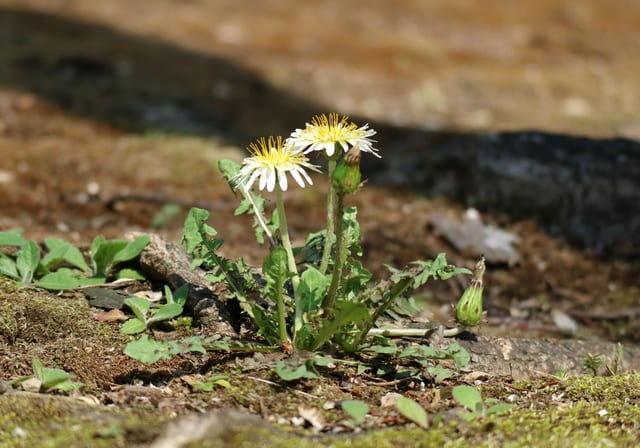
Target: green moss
point(56, 421)
point(623, 387)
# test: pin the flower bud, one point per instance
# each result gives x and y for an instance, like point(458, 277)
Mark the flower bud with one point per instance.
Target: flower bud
point(469, 307)
point(346, 176)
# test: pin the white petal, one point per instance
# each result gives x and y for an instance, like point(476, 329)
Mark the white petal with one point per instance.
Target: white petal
point(282, 178)
point(329, 148)
point(271, 179)
point(295, 173)
point(306, 176)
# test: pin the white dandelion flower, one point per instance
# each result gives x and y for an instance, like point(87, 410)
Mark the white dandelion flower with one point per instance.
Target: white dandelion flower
point(325, 133)
point(270, 162)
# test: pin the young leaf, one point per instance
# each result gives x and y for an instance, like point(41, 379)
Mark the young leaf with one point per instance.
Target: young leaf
point(133, 326)
point(459, 354)
point(131, 250)
point(276, 273)
point(178, 296)
point(165, 312)
point(218, 380)
point(12, 237)
point(54, 379)
point(291, 373)
point(438, 268)
point(131, 274)
point(413, 411)
point(8, 267)
point(311, 291)
point(38, 370)
point(27, 261)
point(104, 254)
point(63, 278)
point(499, 408)
point(229, 170)
point(440, 373)
point(195, 230)
point(469, 397)
point(345, 313)
point(139, 306)
point(356, 409)
point(60, 250)
point(266, 322)
point(147, 350)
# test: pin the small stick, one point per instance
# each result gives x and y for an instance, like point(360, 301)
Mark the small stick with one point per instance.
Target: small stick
point(414, 332)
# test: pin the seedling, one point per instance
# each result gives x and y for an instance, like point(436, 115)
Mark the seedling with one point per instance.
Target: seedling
point(49, 379)
point(357, 410)
point(146, 316)
point(470, 398)
point(63, 266)
point(413, 411)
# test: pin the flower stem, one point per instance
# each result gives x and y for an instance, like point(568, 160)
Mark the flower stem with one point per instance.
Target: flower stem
point(258, 214)
point(330, 299)
point(286, 242)
point(328, 242)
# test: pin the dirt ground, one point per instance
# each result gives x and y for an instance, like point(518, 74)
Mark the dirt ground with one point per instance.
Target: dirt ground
point(111, 110)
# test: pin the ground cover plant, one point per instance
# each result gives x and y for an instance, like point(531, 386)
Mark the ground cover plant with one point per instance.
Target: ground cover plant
point(316, 296)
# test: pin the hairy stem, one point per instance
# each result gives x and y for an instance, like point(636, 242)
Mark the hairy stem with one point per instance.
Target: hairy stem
point(286, 242)
point(330, 299)
point(328, 242)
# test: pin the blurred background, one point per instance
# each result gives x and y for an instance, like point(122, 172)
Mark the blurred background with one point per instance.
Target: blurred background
point(114, 113)
point(239, 67)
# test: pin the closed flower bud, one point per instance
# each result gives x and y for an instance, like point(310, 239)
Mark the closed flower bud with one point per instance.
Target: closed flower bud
point(469, 307)
point(346, 176)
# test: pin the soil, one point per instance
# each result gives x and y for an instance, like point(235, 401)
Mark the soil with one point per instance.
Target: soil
point(110, 111)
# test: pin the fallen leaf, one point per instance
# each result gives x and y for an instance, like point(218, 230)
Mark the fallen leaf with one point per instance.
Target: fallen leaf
point(110, 316)
point(313, 416)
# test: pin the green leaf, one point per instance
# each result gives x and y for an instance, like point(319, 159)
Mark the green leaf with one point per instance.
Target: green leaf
point(133, 326)
point(178, 296)
point(27, 261)
point(468, 396)
point(423, 351)
point(311, 291)
point(345, 313)
point(132, 274)
point(8, 267)
point(292, 373)
point(146, 350)
point(440, 373)
point(195, 230)
point(139, 306)
point(351, 230)
point(266, 322)
point(38, 370)
point(62, 279)
point(459, 354)
point(163, 216)
point(357, 410)
point(165, 312)
point(229, 170)
point(12, 237)
point(499, 408)
point(105, 252)
point(218, 380)
point(53, 378)
point(132, 249)
point(413, 411)
point(60, 250)
point(438, 268)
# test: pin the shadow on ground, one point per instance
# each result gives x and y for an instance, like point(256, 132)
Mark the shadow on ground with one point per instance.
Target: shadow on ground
point(145, 85)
